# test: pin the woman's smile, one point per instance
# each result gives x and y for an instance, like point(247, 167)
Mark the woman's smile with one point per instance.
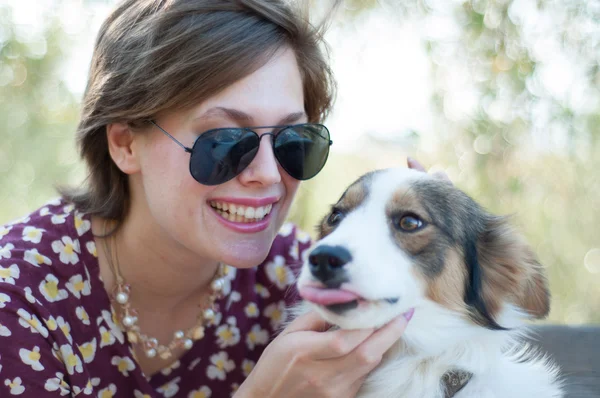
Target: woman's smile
point(246, 215)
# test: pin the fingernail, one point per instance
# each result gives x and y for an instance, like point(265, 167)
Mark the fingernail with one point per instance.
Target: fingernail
point(409, 159)
point(408, 314)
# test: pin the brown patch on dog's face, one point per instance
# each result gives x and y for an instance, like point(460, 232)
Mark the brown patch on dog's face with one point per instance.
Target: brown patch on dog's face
point(353, 197)
point(427, 244)
point(468, 258)
point(439, 262)
point(448, 288)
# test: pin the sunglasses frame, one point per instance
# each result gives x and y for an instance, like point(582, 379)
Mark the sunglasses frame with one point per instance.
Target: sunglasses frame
point(190, 150)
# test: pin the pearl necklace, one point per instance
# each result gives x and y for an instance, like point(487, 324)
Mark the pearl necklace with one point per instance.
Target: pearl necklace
point(181, 339)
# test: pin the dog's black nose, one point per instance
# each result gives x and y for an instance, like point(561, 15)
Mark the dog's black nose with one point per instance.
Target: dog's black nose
point(327, 264)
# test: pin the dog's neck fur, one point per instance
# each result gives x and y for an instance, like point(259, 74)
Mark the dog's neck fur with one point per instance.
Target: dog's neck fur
point(434, 344)
point(438, 340)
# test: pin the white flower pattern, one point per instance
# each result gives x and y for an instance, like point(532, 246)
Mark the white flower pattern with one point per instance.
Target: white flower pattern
point(33, 234)
point(228, 335)
point(257, 336)
point(279, 273)
point(59, 218)
point(15, 385)
point(31, 322)
point(67, 248)
point(70, 359)
point(4, 230)
point(123, 364)
point(78, 286)
point(5, 251)
point(82, 315)
point(8, 275)
point(50, 290)
point(220, 366)
point(31, 358)
point(29, 295)
point(57, 383)
point(35, 258)
point(4, 298)
point(4, 331)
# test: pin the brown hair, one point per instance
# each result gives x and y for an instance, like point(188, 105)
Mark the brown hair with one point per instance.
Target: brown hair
point(155, 55)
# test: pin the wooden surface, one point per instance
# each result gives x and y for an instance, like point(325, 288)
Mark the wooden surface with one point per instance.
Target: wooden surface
point(577, 351)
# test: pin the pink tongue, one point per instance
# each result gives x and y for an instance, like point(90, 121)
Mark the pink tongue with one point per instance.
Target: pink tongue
point(327, 296)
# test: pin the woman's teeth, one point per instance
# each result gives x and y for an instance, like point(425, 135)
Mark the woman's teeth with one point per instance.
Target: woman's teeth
point(239, 213)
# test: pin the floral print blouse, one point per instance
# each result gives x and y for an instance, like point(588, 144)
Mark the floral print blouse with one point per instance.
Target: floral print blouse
point(59, 336)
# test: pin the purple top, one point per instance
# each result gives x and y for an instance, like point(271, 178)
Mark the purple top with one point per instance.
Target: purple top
point(58, 335)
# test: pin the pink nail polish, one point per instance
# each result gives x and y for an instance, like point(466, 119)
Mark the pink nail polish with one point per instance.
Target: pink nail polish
point(409, 314)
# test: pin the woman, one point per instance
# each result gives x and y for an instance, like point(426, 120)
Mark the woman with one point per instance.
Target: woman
point(120, 289)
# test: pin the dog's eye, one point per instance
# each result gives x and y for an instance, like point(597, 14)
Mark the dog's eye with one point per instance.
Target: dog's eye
point(335, 217)
point(409, 223)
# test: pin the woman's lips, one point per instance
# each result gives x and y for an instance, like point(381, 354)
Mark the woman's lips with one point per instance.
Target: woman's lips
point(245, 227)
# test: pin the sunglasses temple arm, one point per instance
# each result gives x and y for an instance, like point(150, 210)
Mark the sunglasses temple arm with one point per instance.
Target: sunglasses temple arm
point(171, 137)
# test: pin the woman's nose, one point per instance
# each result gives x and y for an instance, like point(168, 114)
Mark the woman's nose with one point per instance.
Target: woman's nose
point(264, 168)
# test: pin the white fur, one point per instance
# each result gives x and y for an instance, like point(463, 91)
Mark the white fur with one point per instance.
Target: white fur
point(437, 339)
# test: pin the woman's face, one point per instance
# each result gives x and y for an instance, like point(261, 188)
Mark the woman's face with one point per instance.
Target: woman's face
point(182, 210)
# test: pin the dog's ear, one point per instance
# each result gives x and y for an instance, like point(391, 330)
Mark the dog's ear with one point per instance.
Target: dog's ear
point(508, 272)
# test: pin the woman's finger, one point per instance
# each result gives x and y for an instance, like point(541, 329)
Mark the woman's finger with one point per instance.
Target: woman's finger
point(414, 164)
point(313, 338)
point(338, 343)
point(369, 353)
point(309, 321)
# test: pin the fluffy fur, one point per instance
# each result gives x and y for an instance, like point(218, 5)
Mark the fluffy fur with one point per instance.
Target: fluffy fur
point(470, 277)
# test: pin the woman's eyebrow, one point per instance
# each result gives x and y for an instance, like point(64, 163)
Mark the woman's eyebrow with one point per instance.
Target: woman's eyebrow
point(244, 118)
point(292, 118)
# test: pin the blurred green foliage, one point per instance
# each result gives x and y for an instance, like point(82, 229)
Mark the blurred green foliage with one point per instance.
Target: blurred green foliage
point(513, 142)
point(38, 115)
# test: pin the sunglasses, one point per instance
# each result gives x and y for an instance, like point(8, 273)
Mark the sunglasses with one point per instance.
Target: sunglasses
point(218, 155)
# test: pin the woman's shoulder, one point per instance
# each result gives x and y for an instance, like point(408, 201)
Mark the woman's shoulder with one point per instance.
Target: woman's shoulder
point(52, 299)
point(47, 253)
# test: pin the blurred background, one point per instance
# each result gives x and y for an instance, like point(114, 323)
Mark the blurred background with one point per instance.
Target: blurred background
point(503, 95)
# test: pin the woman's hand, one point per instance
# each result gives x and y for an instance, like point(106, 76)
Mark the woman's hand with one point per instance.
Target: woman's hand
point(414, 164)
point(307, 360)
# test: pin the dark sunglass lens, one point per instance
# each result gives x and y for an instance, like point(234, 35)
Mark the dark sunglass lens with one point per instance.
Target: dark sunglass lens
point(302, 150)
point(220, 155)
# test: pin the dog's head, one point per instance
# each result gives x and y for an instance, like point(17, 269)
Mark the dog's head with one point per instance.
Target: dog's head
point(399, 239)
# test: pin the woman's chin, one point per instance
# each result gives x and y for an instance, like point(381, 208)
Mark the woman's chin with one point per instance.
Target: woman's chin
point(244, 256)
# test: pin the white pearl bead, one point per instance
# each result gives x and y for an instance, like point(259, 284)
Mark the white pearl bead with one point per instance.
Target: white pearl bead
point(151, 353)
point(209, 313)
point(218, 284)
point(128, 321)
point(187, 344)
point(122, 298)
point(179, 334)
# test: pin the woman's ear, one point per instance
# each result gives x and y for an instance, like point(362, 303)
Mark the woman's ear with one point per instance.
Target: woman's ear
point(122, 146)
point(511, 272)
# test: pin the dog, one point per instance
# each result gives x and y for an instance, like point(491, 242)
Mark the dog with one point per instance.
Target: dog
point(400, 239)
